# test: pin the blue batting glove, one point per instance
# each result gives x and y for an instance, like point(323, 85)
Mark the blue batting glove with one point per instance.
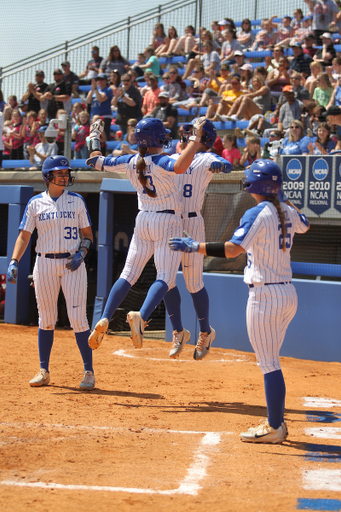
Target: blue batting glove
point(221, 165)
point(281, 196)
point(76, 260)
point(183, 244)
point(12, 272)
point(91, 162)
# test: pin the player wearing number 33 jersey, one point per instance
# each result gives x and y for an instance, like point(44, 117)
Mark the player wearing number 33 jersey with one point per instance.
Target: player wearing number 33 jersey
point(153, 175)
point(58, 216)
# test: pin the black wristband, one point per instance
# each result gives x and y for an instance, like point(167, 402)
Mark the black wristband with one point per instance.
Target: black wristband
point(94, 145)
point(216, 249)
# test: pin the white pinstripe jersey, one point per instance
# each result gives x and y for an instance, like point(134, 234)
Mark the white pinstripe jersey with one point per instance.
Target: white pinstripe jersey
point(260, 234)
point(57, 222)
point(160, 177)
point(193, 183)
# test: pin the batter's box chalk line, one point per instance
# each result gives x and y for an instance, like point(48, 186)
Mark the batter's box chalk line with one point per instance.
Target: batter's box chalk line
point(141, 354)
point(311, 401)
point(191, 484)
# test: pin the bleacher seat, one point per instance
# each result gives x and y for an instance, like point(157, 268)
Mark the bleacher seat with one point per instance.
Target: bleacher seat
point(76, 100)
point(14, 164)
point(84, 88)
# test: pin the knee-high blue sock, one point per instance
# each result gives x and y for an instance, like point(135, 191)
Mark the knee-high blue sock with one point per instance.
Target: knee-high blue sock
point(117, 294)
point(172, 301)
point(155, 294)
point(201, 305)
point(275, 397)
point(45, 342)
point(85, 350)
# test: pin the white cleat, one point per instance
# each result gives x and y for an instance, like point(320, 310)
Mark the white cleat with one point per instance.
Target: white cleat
point(88, 381)
point(41, 379)
point(137, 325)
point(204, 343)
point(97, 335)
point(265, 434)
point(264, 422)
point(179, 341)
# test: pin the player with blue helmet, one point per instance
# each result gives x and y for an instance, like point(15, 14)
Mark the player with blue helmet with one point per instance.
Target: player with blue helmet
point(191, 186)
point(58, 216)
point(153, 175)
point(265, 234)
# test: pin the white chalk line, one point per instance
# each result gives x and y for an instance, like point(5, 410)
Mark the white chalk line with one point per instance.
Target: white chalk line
point(124, 353)
point(324, 432)
point(322, 480)
point(189, 485)
point(310, 401)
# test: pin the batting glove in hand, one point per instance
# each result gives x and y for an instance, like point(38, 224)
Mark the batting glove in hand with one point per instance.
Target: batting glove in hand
point(76, 260)
point(281, 196)
point(197, 129)
point(91, 162)
point(12, 272)
point(221, 165)
point(183, 244)
point(96, 129)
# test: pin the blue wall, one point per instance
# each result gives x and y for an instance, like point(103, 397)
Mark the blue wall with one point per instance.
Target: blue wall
point(313, 333)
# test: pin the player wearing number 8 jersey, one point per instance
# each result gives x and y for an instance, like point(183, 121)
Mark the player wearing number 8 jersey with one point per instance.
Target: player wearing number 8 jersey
point(192, 185)
point(266, 234)
point(58, 215)
point(153, 176)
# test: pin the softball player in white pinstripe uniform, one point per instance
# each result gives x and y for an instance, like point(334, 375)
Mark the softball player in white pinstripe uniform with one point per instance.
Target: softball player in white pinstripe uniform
point(266, 234)
point(192, 185)
point(153, 176)
point(58, 215)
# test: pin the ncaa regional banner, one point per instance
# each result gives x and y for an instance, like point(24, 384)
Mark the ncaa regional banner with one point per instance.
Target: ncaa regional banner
point(294, 178)
point(320, 184)
point(337, 186)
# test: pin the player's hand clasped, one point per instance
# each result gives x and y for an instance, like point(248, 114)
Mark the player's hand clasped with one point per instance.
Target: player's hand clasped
point(12, 272)
point(183, 244)
point(220, 166)
point(76, 260)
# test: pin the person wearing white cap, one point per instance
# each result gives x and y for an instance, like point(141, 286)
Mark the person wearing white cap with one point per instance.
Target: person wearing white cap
point(328, 52)
point(167, 113)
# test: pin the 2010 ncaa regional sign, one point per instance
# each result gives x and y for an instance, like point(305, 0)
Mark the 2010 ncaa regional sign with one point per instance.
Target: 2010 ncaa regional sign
point(319, 188)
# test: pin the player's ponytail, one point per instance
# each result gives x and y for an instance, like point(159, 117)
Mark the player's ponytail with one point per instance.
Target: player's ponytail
point(141, 165)
point(277, 205)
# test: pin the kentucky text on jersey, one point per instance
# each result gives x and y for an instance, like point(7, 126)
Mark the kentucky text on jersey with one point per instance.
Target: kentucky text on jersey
point(52, 215)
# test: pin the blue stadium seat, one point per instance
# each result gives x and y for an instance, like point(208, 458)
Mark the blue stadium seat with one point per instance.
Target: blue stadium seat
point(84, 88)
point(13, 164)
point(241, 142)
point(76, 100)
point(112, 144)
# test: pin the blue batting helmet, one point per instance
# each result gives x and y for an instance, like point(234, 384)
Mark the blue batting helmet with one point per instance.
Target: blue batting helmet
point(56, 163)
point(150, 132)
point(209, 133)
point(263, 177)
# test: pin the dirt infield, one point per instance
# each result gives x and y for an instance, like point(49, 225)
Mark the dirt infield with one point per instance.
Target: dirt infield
point(159, 434)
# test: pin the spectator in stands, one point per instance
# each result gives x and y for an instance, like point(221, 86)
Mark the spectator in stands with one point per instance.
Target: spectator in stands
point(214, 84)
point(335, 70)
point(271, 148)
point(239, 61)
point(167, 113)
point(279, 78)
point(7, 141)
point(135, 67)
point(210, 60)
point(246, 74)
point(333, 116)
point(79, 134)
point(323, 144)
point(324, 13)
point(216, 34)
point(301, 61)
point(3, 104)
point(46, 147)
point(92, 68)
point(265, 37)
point(167, 49)
point(228, 97)
point(315, 118)
point(58, 95)
point(29, 95)
point(129, 146)
point(1, 135)
point(114, 61)
point(146, 87)
point(12, 105)
point(311, 81)
point(327, 53)
point(251, 104)
point(159, 37)
point(231, 151)
point(152, 63)
point(230, 45)
point(285, 31)
point(127, 99)
point(151, 98)
point(199, 84)
point(42, 117)
point(185, 43)
point(308, 47)
point(301, 93)
point(251, 152)
point(296, 143)
point(273, 61)
point(17, 151)
point(22, 106)
point(246, 37)
point(336, 96)
point(70, 78)
point(30, 127)
point(114, 80)
point(324, 90)
point(174, 84)
point(100, 97)
point(77, 108)
point(296, 22)
point(290, 110)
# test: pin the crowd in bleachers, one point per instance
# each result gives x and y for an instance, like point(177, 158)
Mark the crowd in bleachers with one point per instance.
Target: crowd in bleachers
point(274, 89)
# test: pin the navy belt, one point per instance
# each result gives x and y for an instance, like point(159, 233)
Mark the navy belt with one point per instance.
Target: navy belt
point(268, 284)
point(55, 255)
point(167, 211)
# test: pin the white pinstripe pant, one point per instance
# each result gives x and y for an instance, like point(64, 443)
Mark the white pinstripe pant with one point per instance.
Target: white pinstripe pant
point(151, 234)
point(49, 275)
point(269, 312)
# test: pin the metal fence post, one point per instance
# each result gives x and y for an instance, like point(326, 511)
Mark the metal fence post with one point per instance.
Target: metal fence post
point(0, 78)
point(255, 9)
point(66, 48)
point(128, 36)
point(195, 15)
point(159, 16)
point(68, 139)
